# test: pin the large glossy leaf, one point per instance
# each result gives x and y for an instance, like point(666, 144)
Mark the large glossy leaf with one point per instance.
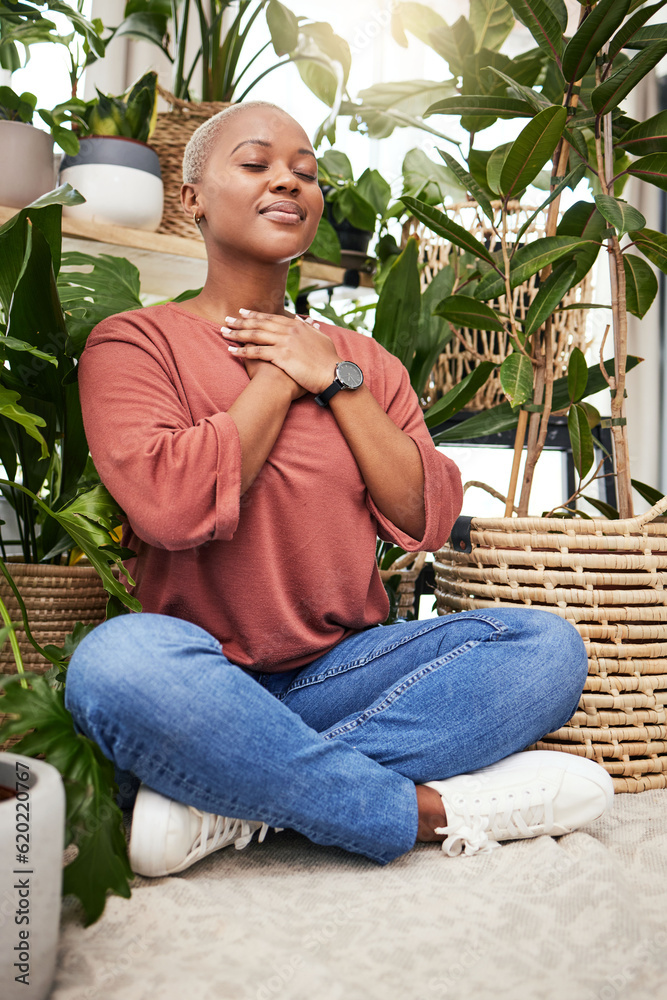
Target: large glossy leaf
point(458, 397)
point(443, 226)
point(598, 27)
point(516, 378)
point(647, 35)
point(434, 333)
point(412, 97)
point(653, 245)
point(110, 286)
point(146, 27)
point(503, 418)
point(546, 22)
point(379, 123)
point(625, 36)
point(10, 409)
point(581, 439)
point(648, 493)
point(491, 21)
point(417, 18)
point(283, 26)
point(495, 164)
point(527, 261)
point(653, 169)
point(429, 181)
point(326, 243)
point(583, 219)
point(350, 205)
point(468, 183)
point(399, 305)
point(80, 24)
point(577, 375)
point(609, 94)
point(549, 296)
point(454, 43)
point(533, 147)
point(536, 100)
point(374, 188)
point(482, 107)
point(619, 214)
point(646, 137)
point(463, 311)
point(641, 285)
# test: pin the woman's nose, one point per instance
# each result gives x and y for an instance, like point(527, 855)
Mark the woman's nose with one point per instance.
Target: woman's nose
point(284, 180)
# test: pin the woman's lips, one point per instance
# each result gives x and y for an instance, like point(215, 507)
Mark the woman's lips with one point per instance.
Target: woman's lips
point(276, 215)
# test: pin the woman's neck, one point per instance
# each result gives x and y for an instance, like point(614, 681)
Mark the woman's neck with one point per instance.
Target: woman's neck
point(241, 285)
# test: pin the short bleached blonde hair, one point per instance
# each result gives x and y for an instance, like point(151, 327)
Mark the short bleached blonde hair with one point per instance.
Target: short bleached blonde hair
point(204, 138)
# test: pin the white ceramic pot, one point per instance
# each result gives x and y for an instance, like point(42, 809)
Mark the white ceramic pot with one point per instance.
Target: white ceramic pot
point(26, 164)
point(30, 891)
point(120, 180)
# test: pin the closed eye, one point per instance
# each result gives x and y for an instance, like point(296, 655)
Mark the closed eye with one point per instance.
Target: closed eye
point(263, 166)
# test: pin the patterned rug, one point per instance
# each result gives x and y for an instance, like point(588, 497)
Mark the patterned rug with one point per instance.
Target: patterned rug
point(582, 917)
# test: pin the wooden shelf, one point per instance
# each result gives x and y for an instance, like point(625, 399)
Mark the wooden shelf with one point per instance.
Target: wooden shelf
point(168, 264)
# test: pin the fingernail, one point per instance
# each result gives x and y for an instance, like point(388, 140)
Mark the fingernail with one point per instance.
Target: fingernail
point(231, 319)
point(232, 348)
point(244, 312)
point(225, 329)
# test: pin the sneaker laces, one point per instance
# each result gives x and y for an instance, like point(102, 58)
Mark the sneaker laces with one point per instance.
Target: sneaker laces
point(480, 828)
point(218, 831)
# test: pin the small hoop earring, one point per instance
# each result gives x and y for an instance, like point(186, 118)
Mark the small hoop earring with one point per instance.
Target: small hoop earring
point(197, 219)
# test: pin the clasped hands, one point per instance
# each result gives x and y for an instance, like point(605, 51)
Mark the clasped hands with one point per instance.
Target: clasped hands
point(295, 346)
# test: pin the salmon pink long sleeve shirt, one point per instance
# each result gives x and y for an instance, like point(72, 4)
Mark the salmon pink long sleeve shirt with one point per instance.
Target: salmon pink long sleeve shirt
point(283, 572)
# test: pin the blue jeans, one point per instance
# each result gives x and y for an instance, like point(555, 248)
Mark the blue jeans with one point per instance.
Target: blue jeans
point(333, 749)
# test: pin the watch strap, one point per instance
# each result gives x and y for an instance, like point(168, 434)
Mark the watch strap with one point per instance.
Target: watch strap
point(323, 398)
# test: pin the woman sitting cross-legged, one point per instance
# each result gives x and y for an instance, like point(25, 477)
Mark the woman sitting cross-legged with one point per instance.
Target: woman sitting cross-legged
point(257, 456)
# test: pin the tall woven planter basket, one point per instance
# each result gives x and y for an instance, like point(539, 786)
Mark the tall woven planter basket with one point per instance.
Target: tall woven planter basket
point(171, 135)
point(608, 579)
point(56, 598)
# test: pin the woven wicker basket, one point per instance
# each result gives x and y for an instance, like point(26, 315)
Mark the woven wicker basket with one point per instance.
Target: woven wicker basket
point(171, 135)
point(607, 578)
point(56, 598)
point(468, 347)
point(407, 567)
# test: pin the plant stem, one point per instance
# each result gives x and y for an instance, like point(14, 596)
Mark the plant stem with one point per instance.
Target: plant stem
point(14, 643)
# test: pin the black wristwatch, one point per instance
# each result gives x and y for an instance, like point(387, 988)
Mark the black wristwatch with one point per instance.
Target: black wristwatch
point(347, 376)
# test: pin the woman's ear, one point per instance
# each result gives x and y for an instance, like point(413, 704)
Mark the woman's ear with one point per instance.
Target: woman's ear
point(189, 200)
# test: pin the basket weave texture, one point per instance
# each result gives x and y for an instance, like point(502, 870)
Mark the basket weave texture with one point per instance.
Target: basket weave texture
point(468, 347)
point(56, 598)
point(407, 567)
point(607, 578)
point(171, 135)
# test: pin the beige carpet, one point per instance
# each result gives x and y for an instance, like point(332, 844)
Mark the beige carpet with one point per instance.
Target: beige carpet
point(580, 918)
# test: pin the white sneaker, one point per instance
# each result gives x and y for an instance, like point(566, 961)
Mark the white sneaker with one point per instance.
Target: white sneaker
point(525, 795)
point(168, 836)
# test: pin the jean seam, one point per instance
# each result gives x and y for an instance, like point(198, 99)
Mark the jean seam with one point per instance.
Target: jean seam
point(296, 685)
point(407, 683)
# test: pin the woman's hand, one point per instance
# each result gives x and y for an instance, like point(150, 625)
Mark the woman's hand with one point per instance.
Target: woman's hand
point(298, 348)
point(265, 370)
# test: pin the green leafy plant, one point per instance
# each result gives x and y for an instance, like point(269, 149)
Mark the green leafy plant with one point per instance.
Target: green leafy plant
point(132, 115)
point(569, 90)
point(321, 57)
point(62, 511)
point(23, 23)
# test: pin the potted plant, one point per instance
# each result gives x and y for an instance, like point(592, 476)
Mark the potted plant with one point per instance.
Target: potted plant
point(223, 70)
point(115, 169)
point(63, 513)
point(575, 128)
point(26, 152)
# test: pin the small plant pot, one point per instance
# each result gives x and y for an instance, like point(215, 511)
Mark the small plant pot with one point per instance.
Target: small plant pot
point(119, 178)
point(30, 891)
point(26, 164)
point(350, 237)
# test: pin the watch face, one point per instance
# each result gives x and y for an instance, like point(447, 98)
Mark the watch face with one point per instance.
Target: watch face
point(349, 374)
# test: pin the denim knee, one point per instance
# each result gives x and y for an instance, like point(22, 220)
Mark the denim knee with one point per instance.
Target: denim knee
point(567, 666)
